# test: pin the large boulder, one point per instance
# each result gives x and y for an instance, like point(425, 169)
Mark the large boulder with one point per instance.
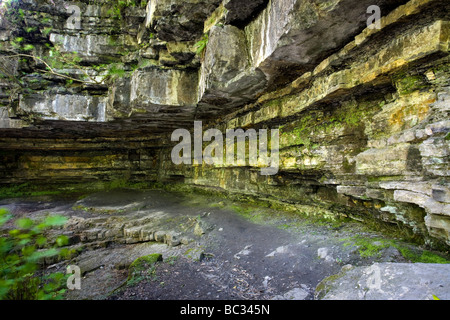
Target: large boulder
point(388, 281)
point(292, 36)
point(179, 20)
point(241, 11)
point(227, 77)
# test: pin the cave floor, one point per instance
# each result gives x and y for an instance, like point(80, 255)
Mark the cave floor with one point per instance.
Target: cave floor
point(213, 248)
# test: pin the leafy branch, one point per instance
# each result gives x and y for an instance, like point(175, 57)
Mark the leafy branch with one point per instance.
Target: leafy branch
point(21, 252)
point(52, 71)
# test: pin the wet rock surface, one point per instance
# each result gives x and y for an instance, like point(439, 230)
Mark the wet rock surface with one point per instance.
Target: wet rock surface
point(212, 248)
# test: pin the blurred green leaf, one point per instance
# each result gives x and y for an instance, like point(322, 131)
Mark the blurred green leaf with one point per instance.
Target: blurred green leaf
point(28, 250)
point(24, 223)
point(5, 246)
point(4, 216)
point(41, 240)
point(20, 258)
point(28, 47)
point(43, 254)
point(22, 236)
point(14, 232)
point(62, 241)
point(54, 221)
point(12, 260)
point(24, 242)
point(46, 31)
point(4, 287)
point(27, 268)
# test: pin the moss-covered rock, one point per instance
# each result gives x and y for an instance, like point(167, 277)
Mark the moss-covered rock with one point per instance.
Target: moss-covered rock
point(143, 266)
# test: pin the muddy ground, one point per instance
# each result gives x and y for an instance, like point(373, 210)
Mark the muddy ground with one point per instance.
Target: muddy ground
point(212, 248)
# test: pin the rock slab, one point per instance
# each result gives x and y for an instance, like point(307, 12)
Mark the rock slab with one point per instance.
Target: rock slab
point(388, 281)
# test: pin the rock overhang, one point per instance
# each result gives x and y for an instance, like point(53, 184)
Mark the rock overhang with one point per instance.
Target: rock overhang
point(358, 108)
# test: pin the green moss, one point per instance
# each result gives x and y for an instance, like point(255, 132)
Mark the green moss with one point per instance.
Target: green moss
point(250, 213)
point(297, 133)
point(118, 6)
point(196, 254)
point(145, 262)
point(35, 190)
point(382, 179)
point(372, 247)
point(144, 63)
point(117, 71)
point(324, 286)
point(143, 268)
point(406, 83)
point(25, 189)
point(349, 116)
point(423, 257)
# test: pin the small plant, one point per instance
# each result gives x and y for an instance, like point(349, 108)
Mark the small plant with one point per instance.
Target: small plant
point(30, 29)
point(116, 10)
point(21, 252)
point(116, 71)
point(201, 45)
point(46, 31)
point(171, 260)
point(28, 47)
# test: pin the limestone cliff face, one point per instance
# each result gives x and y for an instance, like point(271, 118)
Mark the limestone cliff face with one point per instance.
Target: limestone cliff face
point(363, 112)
